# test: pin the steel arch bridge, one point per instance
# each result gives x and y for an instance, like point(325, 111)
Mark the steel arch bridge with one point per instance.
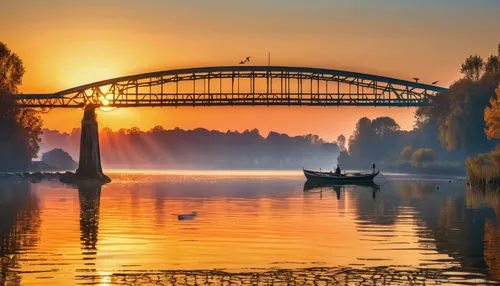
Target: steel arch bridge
point(240, 85)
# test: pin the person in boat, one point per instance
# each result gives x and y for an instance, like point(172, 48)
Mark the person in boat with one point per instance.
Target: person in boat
point(373, 167)
point(337, 171)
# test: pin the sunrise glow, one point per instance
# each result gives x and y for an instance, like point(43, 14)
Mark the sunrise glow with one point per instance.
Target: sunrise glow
point(111, 46)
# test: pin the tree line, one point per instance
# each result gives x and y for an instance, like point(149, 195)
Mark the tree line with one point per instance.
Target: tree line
point(201, 148)
point(461, 122)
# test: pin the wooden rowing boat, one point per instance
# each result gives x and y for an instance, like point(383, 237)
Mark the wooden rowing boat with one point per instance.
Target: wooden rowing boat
point(344, 178)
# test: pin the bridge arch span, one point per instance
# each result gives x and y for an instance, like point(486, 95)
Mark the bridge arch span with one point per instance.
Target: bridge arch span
point(241, 85)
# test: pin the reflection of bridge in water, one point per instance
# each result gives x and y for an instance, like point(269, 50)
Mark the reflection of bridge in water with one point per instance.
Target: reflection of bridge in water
point(89, 197)
point(226, 86)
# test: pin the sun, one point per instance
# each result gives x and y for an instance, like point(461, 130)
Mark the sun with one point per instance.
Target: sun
point(103, 108)
point(105, 100)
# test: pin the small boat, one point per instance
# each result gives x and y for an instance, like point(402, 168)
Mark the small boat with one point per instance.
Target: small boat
point(345, 178)
point(187, 216)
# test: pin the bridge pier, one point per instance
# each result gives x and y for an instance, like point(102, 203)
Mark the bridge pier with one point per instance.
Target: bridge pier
point(89, 166)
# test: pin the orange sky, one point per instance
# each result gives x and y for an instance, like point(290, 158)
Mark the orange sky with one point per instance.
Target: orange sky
point(68, 43)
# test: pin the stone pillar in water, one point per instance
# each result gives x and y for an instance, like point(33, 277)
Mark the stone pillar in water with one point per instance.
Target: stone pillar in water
point(89, 166)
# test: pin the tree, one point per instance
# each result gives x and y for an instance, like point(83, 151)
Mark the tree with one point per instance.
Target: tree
point(134, 129)
point(362, 136)
point(407, 153)
point(341, 142)
point(383, 125)
point(11, 70)
point(493, 64)
point(422, 156)
point(344, 159)
point(157, 129)
point(473, 67)
point(106, 130)
point(492, 117)
point(20, 128)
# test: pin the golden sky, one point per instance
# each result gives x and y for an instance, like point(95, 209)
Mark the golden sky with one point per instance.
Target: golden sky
point(65, 43)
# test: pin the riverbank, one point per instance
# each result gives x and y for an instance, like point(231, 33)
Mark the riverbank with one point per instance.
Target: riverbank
point(430, 169)
point(34, 177)
point(483, 170)
point(440, 169)
point(66, 178)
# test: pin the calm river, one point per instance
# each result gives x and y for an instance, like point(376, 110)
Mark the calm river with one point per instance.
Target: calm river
point(251, 228)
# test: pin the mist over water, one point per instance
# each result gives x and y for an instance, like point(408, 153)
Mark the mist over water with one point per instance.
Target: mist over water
point(200, 149)
point(247, 223)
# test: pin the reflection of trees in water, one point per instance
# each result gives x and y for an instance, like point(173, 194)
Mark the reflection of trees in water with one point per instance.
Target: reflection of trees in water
point(19, 225)
point(492, 249)
point(456, 230)
point(490, 199)
point(478, 198)
point(459, 231)
point(90, 196)
point(376, 207)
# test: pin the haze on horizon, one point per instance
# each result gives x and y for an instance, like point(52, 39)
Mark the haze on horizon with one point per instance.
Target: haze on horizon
point(68, 43)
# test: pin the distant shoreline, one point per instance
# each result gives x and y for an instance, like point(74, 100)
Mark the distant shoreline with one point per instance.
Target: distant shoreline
point(263, 172)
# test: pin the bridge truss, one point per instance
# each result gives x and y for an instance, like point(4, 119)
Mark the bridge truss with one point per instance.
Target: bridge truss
point(240, 85)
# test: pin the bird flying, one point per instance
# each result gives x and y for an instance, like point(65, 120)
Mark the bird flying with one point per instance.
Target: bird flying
point(242, 62)
point(416, 79)
point(248, 59)
point(435, 82)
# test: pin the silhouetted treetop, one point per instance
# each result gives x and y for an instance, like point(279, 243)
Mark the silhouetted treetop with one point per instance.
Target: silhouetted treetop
point(11, 70)
point(20, 129)
point(473, 67)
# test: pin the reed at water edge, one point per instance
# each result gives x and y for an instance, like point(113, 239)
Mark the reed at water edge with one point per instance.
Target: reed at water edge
point(483, 170)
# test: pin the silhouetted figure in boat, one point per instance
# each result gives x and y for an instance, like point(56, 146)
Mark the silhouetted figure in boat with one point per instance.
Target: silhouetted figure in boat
point(337, 171)
point(373, 167)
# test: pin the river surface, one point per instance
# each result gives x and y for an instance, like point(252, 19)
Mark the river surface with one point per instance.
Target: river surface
point(255, 227)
